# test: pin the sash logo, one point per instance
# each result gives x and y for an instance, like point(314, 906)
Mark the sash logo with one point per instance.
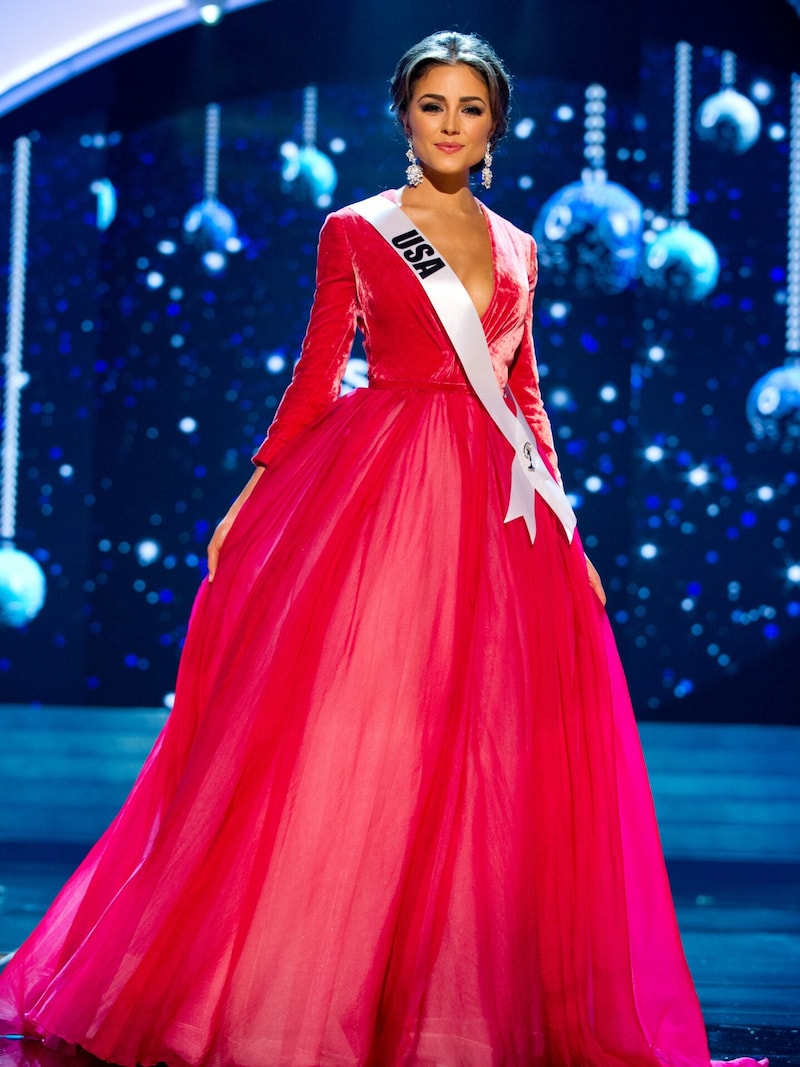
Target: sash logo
point(419, 254)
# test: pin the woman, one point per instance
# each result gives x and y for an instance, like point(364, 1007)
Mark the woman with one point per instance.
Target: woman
point(398, 815)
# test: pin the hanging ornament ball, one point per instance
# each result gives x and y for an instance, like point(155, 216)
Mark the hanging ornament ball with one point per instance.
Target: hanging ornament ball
point(209, 225)
point(729, 121)
point(773, 406)
point(22, 587)
point(683, 262)
point(589, 235)
point(308, 174)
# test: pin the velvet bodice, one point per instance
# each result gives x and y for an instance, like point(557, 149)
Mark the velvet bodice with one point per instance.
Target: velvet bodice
point(362, 282)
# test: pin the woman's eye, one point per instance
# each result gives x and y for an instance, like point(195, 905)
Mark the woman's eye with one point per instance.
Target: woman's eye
point(470, 109)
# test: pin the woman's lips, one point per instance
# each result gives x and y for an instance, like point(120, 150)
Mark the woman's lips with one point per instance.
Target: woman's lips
point(449, 148)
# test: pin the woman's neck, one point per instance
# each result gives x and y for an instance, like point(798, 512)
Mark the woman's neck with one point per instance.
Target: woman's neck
point(443, 198)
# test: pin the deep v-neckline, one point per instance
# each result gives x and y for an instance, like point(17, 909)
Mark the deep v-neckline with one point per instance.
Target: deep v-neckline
point(482, 316)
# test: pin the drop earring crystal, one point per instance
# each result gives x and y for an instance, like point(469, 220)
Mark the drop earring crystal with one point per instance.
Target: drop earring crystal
point(486, 173)
point(413, 170)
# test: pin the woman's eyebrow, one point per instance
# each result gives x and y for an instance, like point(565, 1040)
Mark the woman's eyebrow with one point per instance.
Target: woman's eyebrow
point(462, 99)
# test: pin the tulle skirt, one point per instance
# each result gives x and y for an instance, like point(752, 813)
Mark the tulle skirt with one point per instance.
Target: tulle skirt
point(399, 814)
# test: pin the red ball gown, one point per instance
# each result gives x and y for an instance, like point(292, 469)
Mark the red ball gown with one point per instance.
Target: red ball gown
point(399, 813)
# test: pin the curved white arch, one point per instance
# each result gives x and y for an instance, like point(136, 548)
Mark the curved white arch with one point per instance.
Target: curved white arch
point(56, 39)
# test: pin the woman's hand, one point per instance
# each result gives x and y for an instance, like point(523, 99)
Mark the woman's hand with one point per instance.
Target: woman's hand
point(224, 526)
point(594, 581)
point(217, 541)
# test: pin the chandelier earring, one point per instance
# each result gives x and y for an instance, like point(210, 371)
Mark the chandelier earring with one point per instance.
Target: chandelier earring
point(486, 173)
point(413, 170)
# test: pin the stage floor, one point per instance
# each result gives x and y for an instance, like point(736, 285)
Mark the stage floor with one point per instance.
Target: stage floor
point(740, 925)
point(728, 800)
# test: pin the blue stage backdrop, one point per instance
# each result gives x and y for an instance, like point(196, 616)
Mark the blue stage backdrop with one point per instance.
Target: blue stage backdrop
point(159, 339)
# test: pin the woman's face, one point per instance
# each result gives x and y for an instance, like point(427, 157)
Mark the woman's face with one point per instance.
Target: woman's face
point(449, 119)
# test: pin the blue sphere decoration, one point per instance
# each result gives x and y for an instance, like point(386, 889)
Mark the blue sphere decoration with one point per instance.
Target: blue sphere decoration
point(210, 225)
point(683, 262)
point(22, 587)
point(729, 121)
point(308, 174)
point(773, 406)
point(589, 235)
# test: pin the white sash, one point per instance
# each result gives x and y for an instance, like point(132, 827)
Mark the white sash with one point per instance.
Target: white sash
point(457, 314)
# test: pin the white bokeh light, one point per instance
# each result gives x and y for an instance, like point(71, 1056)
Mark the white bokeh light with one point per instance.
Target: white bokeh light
point(698, 476)
point(762, 91)
point(214, 262)
point(147, 552)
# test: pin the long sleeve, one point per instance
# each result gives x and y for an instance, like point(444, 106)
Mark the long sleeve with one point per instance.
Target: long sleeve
point(524, 379)
point(326, 347)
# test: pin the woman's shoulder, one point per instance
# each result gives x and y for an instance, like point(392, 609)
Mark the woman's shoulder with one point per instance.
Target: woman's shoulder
point(514, 233)
point(350, 212)
point(347, 222)
point(513, 243)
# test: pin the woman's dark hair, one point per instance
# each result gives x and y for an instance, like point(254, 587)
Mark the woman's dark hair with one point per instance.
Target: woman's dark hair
point(448, 48)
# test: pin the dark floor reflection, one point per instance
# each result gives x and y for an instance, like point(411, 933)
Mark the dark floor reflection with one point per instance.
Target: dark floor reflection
point(16, 1052)
point(781, 1045)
